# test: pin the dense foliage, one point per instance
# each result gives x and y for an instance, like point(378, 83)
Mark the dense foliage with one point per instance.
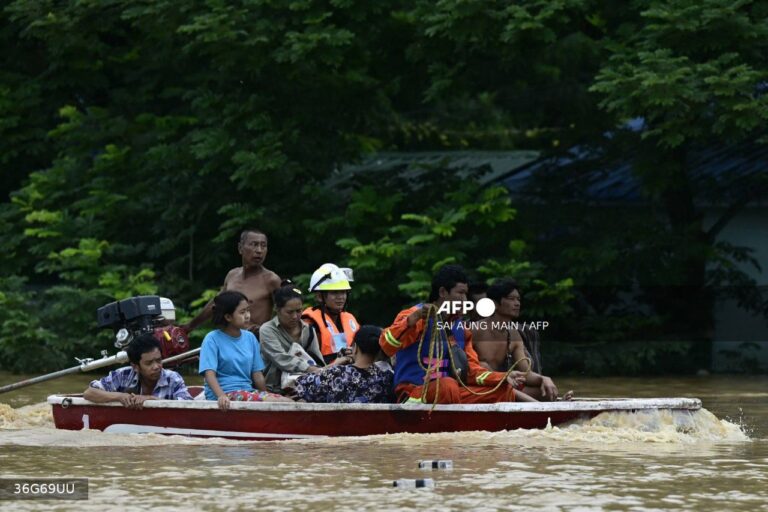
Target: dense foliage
point(137, 138)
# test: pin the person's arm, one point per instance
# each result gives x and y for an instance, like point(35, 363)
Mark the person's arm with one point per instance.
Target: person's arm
point(313, 349)
point(257, 367)
point(519, 356)
point(341, 360)
point(111, 389)
point(258, 381)
point(544, 383)
point(207, 311)
point(208, 367)
point(179, 390)
point(99, 396)
point(483, 351)
point(479, 375)
point(213, 383)
point(129, 400)
point(200, 319)
point(532, 379)
point(315, 332)
point(405, 330)
point(273, 351)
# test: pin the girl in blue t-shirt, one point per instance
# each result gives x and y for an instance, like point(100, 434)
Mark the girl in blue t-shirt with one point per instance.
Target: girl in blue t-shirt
point(230, 358)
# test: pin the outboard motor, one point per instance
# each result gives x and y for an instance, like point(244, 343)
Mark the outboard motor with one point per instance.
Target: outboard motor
point(129, 317)
point(135, 316)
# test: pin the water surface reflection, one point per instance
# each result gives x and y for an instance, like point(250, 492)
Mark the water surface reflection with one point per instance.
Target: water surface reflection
point(618, 461)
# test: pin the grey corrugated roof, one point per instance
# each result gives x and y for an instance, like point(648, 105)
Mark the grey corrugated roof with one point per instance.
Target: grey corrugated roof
point(411, 164)
point(592, 180)
point(598, 181)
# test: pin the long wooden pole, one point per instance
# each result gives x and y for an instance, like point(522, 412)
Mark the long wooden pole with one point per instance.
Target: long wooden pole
point(120, 357)
point(179, 357)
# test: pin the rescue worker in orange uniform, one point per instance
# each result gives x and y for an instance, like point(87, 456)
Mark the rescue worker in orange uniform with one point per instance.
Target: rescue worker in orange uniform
point(414, 365)
point(334, 326)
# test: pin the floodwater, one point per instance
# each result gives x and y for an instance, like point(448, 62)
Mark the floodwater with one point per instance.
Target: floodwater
point(617, 461)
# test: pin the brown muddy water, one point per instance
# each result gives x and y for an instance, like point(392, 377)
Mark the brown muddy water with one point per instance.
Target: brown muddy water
point(616, 461)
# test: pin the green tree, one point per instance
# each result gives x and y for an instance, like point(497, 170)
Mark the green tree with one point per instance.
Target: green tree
point(157, 131)
point(407, 224)
point(138, 138)
point(695, 73)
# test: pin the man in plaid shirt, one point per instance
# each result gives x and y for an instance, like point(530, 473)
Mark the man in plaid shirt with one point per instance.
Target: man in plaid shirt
point(145, 379)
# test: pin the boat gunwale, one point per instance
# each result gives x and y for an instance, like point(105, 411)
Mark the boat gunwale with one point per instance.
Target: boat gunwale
point(586, 405)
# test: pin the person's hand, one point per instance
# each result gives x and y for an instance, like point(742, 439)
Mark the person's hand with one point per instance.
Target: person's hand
point(314, 369)
point(138, 401)
point(224, 402)
point(343, 360)
point(419, 314)
point(516, 379)
point(126, 399)
point(548, 389)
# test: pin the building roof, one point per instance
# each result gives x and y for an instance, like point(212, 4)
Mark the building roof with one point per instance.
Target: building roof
point(411, 164)
point(584, 175)
point(580, 174)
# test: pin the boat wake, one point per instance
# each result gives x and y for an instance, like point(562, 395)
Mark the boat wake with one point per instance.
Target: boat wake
point(28, 416)
point(32, 425)
point(609, 429)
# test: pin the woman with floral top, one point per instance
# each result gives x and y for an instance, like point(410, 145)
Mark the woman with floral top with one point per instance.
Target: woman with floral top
point(363, 381)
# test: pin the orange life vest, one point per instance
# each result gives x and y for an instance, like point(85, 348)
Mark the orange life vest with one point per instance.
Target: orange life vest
point(331, 340)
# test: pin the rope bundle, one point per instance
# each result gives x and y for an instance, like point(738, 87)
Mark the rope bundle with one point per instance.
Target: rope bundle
point(435, 353)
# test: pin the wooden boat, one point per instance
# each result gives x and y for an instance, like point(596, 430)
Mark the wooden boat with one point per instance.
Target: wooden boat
point(279, 420)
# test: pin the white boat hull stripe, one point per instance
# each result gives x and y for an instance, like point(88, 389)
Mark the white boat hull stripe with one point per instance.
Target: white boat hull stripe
point(127, 428)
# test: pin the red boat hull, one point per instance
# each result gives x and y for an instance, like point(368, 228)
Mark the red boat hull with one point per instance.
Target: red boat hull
point(270, 421)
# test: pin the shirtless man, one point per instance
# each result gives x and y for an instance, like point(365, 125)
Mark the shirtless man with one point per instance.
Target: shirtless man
point(252, 279)
point(500, 345)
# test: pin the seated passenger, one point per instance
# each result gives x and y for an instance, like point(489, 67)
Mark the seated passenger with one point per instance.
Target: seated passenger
point(363, 381)
point(279, 335)
point(334, 325)
point(230, 358)
point(145, 379)
point(500, 344)
point(475, 384)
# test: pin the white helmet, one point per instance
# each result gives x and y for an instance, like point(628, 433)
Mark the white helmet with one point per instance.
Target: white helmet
point(167, 309)
point(329, 278)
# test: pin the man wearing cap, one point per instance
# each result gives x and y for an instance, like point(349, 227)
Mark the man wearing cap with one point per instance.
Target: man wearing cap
point(334, 326)
point(252, 279)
